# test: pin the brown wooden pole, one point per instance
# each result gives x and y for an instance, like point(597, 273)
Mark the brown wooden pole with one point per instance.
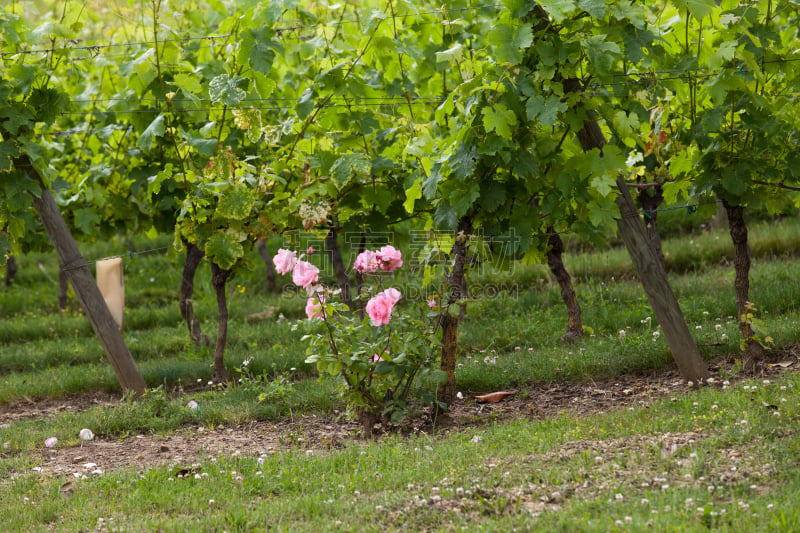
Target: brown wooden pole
point(659, 293)
point(648, 268)
point(92, 302)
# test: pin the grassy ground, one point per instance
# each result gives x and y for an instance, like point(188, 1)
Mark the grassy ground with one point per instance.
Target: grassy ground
point(600, 473)
point(720, 459)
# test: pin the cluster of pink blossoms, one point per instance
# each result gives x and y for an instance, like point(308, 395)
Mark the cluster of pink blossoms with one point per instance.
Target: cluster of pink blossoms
point(379, 307)
point(387, 259)
point(305, 275)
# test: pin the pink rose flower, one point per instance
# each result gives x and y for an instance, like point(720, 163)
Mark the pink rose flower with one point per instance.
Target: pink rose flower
point(367, 262)
point(314, 307)
point(390, 258)
point(284, 260)
point(393, 294)
point(305, 274)
point(379, 308)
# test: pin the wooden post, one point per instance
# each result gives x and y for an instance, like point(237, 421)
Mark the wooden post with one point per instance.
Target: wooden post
point(659, 293)
point(648, 268)
point(92, 302)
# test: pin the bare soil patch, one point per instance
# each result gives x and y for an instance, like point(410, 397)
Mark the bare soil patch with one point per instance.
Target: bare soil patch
point(318, 433)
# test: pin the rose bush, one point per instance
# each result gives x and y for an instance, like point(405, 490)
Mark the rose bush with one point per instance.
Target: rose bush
point(384, 358)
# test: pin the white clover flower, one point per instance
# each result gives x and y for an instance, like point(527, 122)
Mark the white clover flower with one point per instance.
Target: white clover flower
point(192, 405)
point(86, 434)
point(623, 334)
point(50, 442)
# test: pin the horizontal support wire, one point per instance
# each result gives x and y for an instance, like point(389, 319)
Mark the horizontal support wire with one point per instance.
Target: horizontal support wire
point(691, 208)
point(260, 108)
point(131, 255)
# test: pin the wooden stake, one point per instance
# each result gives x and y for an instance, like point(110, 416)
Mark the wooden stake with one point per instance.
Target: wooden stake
point(78, 274)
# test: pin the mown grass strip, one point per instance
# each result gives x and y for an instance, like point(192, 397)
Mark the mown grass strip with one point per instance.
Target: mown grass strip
point(715, 458)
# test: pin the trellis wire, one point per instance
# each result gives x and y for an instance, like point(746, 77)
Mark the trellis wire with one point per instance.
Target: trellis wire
point(131, 255)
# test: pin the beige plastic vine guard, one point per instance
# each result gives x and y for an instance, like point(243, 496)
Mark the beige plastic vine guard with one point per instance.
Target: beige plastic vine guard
point(110, 282)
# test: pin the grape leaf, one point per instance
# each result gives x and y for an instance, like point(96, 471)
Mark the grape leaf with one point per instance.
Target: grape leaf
point(493, 195)
point(264, 50)
point(601, 53)
point(224, 250)
point(697, 8)
point(305, 104)
point(413, 194)
point(445, 216)
point(13, 118)
point(227, 90)
point(452, 53)
point(348, 166)
point(206, 147)
point(47, 103)
point(236, 203)
point(603, 183)
point(500, 119)
point(596, 8)
point(188, 83)
point(432, 181)
point(8, 151)
point(559, 9)
point(155, 129)
point(509, 41)
point(462, 161)
point(86, 220)
point(545, 110)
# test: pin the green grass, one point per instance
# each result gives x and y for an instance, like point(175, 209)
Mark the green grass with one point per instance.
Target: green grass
point(714, 458)
point(518, 476)
point(46, 352)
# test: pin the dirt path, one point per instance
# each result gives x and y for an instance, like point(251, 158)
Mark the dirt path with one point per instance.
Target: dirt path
point(316, 434)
